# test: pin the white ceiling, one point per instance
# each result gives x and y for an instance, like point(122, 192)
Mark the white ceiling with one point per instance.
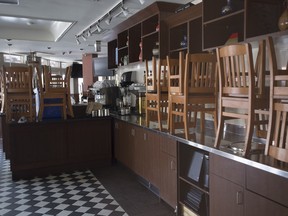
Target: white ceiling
point(37, 31)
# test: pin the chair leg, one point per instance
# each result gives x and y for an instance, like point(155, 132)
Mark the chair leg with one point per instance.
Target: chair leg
point(185, 121)
point(219, 134)
point(69, 106)
point(159, 116)
point(249, 134)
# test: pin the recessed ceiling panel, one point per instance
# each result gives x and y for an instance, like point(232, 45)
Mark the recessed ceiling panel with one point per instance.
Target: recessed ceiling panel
point(22, 28)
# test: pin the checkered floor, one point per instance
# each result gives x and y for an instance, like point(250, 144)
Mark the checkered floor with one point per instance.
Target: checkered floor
point(78, 193)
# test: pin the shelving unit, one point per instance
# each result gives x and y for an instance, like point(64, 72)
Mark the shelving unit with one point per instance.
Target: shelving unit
point(248, 18)
point(145, 27)
point(187, 23)
point(193, 180)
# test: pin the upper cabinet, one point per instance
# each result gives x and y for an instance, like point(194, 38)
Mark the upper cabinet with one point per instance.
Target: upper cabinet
point(185, 31)
point(226, 21)
point(141, 36)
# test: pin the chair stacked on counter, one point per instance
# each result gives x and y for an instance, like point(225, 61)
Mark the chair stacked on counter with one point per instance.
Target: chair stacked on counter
point(156, 92)
point(277, 137)
point(55, 92)
point(19, 100)
point(199, 92)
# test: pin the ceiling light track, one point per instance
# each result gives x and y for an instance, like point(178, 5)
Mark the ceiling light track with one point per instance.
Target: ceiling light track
point(95, 27)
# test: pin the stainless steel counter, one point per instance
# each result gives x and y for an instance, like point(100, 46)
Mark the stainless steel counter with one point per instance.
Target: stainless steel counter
point(205, 141)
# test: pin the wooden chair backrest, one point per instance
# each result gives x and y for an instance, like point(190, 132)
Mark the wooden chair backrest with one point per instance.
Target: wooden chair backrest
point(53, 82)
point(277, 139)
point(236, 71)
point(278, 148)
point(17, 79)
point(176, 75)
point(278, 78)
point(151, 85)
point(200, 74)
point(156, 79)
point(260, 69)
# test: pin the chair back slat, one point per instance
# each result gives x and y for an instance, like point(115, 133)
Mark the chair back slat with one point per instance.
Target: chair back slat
point(200, 74)
point(176, 74)
point(236, 77)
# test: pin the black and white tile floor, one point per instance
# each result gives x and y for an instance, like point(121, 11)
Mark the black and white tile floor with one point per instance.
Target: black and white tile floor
point(73, 194)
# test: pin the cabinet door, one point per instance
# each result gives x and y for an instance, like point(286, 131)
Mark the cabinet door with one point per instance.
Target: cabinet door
point(119, 140)
point(151, 160)
point(168, 184)
point(258, 205)
point(226, 197)
point(168, 170)
point(140, 153)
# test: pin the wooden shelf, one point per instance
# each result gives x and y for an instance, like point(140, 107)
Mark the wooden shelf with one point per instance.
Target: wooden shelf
point(224, 17)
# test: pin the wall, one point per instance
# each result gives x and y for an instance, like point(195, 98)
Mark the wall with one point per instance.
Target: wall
point(87, 60)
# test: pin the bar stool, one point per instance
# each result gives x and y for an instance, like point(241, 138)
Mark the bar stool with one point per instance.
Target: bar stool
point(276, 145)
point(18, 94)
point(156, 92)
point(236, 89)
point(199, 91)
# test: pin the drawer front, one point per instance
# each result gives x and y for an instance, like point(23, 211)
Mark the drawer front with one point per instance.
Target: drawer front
point(228, 169)
point(257, 205)
point(267, 184)
point(168, 145)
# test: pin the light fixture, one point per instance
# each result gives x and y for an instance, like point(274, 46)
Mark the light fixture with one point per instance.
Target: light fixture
point(108, 20)
point(124, 11)
point(83, 37)
point(77, 40)
point(142, 1)
point(99, 29)
point(89, 33)
point(10, 2)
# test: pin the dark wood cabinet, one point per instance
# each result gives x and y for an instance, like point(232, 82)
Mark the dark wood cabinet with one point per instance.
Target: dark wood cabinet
point(259, 205)
point(146, 27)
point(245, 19)
point(185, 31)
point(238, 189)
point(42, 148)
point(168, 170)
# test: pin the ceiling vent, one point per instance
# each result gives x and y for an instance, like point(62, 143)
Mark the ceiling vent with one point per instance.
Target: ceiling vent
point(10, 2)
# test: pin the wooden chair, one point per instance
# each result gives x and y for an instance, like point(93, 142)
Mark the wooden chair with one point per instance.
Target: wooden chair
point(156, 92)
point(199, 91)
point(236, 89)
point(49, 98)
point(2, 92)
point(262, 93)
point(277, 139)
point(19, 99)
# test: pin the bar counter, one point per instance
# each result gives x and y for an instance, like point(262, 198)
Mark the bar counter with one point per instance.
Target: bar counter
point(205, 142)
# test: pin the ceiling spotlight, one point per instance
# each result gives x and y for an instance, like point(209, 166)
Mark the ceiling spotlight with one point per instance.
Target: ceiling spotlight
point(124, 11)
point(108, 20)
point(63, 53)
point(48, 47)
point(83, 37)
point(10, 2)
point(142, 1)
point(70, 52)
point(89, 33)
point(99, 29)
point(77, 40)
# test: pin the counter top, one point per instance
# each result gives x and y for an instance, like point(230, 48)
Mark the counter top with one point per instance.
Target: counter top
point(205, 142)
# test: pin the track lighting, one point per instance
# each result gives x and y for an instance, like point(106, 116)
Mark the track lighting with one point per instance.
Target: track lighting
point(77, 41)
point(89, 33)
point(124, 11)
point(108, 20)
point(83, 37)
point(99, 29)
point(142, 1)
